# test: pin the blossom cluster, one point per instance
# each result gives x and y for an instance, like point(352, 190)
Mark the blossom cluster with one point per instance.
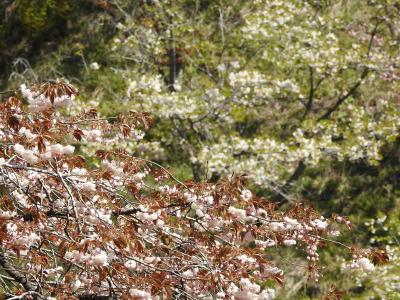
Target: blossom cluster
point(39, 101)
point(273, 160)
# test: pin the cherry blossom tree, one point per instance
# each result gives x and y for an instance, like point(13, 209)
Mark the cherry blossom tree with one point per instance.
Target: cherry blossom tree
point(117, 226)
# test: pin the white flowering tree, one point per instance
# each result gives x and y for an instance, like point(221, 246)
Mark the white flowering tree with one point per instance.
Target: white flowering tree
point(264, 88)
point(123, 227)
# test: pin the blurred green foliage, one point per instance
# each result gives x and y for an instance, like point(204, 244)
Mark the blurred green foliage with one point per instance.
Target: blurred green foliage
point(39, 16)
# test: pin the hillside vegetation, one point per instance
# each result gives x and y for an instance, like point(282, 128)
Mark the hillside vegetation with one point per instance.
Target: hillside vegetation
point(300, 98)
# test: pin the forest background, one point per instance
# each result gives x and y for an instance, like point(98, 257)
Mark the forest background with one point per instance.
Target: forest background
point(301, 97)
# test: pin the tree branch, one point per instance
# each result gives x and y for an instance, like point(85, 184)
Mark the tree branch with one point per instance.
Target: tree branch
point(15, 274)
point(358, 83)
point(311, 94)
point(345, 97)
point(93, 297)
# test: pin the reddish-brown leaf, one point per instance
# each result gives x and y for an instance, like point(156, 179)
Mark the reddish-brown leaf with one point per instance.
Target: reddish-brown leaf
point(41, 145)
point(78, 134)
point(379, 257)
